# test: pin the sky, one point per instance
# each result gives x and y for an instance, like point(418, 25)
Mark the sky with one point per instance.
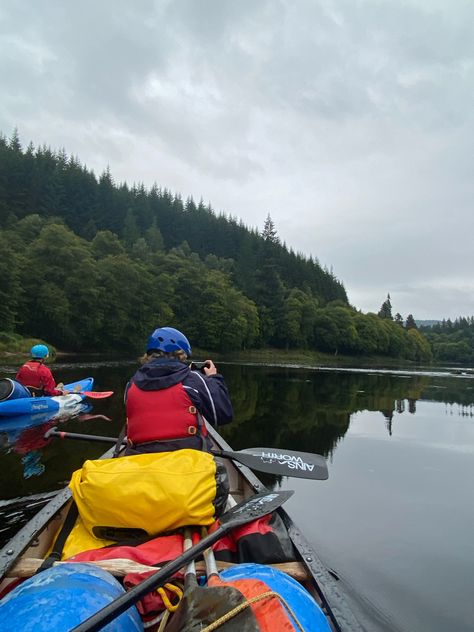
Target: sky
point(351, 122)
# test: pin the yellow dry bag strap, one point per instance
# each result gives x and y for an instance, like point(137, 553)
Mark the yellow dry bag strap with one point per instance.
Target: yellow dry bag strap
point(58, 546)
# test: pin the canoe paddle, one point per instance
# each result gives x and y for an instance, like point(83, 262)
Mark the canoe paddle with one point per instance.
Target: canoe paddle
point(252, 509)
point(271, 460)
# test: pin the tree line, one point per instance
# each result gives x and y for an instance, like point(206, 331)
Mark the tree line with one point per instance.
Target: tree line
point(452, 341)
point(89, 264)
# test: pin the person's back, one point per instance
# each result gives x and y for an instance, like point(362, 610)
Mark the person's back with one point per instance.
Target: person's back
point(167, 402)
point(36, 376)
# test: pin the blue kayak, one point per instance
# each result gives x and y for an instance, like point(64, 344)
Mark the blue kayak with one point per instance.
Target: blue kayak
point(20, 402)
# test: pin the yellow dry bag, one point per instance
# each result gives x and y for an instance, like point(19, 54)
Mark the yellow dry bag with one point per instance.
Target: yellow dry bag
point(152, 493)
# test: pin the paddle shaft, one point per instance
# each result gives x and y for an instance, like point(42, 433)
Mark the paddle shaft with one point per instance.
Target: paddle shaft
point(54, 432)
point(270, 460)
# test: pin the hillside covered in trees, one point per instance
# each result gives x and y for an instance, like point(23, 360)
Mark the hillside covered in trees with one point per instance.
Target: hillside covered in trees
point(89, 264)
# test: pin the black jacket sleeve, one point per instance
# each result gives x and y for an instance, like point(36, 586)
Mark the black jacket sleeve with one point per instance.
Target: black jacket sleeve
point(210, 396)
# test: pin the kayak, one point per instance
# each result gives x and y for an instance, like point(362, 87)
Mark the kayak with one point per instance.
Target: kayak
point(20, 402)
point(308, 595)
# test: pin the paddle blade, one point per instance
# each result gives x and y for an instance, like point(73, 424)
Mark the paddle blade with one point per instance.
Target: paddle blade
point(286, 462)
point(92, 394)
point(202, 606)
point(253, 508)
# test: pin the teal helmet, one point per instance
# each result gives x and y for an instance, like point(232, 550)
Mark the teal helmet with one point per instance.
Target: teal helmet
point(39, 351)
point(167, 339)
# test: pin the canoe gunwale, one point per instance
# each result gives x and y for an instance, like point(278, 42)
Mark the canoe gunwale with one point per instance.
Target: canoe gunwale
point(24, 538)
point(20, 542)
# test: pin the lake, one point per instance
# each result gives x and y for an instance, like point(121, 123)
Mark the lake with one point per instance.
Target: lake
point(394, 521)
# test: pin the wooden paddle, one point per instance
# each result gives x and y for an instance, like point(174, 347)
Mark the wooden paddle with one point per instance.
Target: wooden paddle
point(271, 460)
point(252, 509)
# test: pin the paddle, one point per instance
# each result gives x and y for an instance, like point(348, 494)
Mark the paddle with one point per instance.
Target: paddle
point(252, 509)
point(92, 394)
point(202, 606)
point(271, 460)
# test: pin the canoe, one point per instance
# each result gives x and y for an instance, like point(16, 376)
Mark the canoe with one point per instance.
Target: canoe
point(304, 583)
point(24, 405)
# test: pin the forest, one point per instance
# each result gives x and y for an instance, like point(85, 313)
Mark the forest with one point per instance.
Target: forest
point(452, 341)
point(92, 265)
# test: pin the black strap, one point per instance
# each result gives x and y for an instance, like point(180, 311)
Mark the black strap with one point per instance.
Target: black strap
point(118, 445)
point(63, 535)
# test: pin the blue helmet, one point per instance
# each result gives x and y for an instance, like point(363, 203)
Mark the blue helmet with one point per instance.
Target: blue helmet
point(168, 340)
point(39, 351)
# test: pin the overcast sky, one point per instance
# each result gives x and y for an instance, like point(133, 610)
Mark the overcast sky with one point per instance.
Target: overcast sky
point(350, 122)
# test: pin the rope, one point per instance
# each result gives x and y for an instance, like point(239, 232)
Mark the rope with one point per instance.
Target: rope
point(164, 621)
point(238, 609)
point(177, 590)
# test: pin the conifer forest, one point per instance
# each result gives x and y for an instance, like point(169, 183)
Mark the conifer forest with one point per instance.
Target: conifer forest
point(89, 264)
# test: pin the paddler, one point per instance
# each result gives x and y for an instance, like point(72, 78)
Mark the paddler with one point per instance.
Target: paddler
point(36, 376)
point(167, 401)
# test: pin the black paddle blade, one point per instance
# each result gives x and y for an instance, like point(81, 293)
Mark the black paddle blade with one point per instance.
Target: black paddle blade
point(255, 507)
point(286, 462)
point(202, 606)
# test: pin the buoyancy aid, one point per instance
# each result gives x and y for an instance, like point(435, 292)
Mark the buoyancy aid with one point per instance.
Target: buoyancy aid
point(161, 415)
point(30, 375)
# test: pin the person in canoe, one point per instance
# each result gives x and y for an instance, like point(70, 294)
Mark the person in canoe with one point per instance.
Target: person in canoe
point(167, 401)
point(36, 376)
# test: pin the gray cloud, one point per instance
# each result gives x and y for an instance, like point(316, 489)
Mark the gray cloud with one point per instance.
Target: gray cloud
point(351, 123)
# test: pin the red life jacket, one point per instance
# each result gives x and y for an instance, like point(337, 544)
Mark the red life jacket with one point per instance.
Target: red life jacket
point(29, 375)
point(161, 415)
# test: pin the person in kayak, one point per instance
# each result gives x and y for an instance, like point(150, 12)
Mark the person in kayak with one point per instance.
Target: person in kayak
point(36, 376)
point(167, 401)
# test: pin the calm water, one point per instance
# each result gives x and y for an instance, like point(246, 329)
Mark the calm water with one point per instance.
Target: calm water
point(395, 520)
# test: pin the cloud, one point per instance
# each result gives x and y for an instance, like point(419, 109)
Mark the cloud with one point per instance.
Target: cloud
point(349, 122)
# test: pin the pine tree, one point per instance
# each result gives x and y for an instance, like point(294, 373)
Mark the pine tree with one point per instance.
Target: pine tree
point(386, 309)
point(410, 322)
point(398, 319)
point(269, 232)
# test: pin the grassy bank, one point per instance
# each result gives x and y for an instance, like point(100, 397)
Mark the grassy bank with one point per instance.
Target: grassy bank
point(13, 346)
point(301, 357)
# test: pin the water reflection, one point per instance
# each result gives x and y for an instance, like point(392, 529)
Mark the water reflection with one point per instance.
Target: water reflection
point(395, 517)
point(24, 435)
point(311, 410)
